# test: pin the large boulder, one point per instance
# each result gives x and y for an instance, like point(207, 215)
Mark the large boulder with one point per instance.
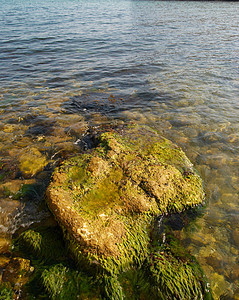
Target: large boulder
point(107, 199)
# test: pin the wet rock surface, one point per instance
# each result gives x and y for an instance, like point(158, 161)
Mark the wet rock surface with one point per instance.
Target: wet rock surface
point(106, 201)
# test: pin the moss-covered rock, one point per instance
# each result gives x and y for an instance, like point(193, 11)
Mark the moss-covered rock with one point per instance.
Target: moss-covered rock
point(174, 278)
point(55, 275)
point(45, 244)
point(105, 200)
point(61, 283)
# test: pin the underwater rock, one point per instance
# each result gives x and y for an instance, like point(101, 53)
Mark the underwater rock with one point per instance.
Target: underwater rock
point(235, 272)
point(4, 261)
point(219, 285)
point(8, 211)
point(15, 275)
point(106, 199)
point(31, 162)
point(17, 272)
point(14, 186)
point(4, 245)
point(95, 101)
point(235, 236)
point(8, 169)
point(9, 128)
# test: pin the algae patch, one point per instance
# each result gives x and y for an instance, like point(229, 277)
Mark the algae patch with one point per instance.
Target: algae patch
point(55, 275)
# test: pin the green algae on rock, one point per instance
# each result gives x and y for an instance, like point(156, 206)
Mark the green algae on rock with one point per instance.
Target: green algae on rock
point(171, 276)
point(6, 291)
point(106, 199)
point(44, 243)
point(55, 275)
point(61, 282)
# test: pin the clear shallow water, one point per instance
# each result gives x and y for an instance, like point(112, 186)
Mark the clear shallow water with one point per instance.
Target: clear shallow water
point(69, 65)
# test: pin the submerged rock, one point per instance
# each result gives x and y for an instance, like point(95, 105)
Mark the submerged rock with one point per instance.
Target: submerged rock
point(105, 200)
point(15, 275)
point(31, 162)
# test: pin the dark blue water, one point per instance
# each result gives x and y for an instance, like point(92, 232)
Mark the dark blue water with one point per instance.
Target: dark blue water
point(66, 66)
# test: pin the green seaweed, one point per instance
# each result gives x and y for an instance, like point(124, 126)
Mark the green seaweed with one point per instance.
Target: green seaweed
point(172, 271)
point(7, 169)
point(6, 292)
point(174, 278)
point(44, 243)
point(26, 192)
point(63, 282)
point(135, 284)
point(164, 272)
point(111, 288)
point(55, 276)
point(29, 192)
